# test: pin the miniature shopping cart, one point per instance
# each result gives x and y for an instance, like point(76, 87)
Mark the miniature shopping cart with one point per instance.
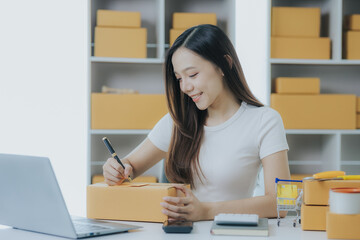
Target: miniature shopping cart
point(288, 198)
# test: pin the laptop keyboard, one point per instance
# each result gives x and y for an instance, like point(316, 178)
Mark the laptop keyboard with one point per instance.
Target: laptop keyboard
point(86, 227)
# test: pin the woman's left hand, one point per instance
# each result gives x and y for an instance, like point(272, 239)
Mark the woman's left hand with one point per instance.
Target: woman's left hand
point(187, 208)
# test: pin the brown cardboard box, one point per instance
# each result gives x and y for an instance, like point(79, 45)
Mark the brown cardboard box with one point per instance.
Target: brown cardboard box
point(139, 179)
point(353, 22)
point(358, 104)
point(185, 20)
point(295, 22)
point(292, 85)
point(128, 201)
point(110, 18)
point(323, 111)
point(120, 42)
point(302, 48)
point(342, 226)
point(313, 217)
point(126, 111)
point(352, 45)
point(174, 34)
point(317, 192)
point(358, 120)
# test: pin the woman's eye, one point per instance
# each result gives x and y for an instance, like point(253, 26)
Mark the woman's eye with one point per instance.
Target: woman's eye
point(194, 75)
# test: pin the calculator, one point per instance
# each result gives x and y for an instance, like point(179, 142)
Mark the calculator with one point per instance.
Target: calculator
point(237, 219)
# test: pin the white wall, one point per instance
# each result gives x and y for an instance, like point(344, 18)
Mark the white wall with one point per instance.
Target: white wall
point(43, 86)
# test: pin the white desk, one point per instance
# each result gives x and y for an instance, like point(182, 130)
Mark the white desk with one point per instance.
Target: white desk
point(153, 231)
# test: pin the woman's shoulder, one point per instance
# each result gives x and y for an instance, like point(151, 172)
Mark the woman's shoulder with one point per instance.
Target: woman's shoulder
point(263, 112)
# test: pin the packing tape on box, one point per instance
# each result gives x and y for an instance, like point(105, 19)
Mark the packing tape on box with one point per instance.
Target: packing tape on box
point(344, 200)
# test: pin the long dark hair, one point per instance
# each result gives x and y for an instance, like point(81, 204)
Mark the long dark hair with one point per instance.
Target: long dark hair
point(212, 44)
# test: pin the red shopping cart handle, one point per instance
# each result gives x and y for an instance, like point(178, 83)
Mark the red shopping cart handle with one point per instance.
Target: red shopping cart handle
point(286, 180)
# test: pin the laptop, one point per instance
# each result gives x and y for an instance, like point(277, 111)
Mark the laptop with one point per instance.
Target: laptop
point(30, 199)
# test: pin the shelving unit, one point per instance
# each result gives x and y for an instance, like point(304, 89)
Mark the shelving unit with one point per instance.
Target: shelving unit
point(321, 150)
point(144, 75)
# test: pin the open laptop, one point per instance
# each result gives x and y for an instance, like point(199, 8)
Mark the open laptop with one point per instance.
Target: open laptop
point(30, 199)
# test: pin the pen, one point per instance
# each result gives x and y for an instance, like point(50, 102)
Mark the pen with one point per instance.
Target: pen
point(113, 153)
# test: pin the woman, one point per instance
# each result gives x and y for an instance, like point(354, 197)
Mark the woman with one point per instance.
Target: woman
point(215, 137)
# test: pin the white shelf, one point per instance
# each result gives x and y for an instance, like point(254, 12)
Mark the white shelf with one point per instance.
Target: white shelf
point(350, 163)
point(302, 162)
point(120, 131)
point(314, 61)
point(127, 60)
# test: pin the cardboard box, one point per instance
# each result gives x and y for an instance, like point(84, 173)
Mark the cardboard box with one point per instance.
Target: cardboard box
point(317, 192)
point(110, 18)
point(300, 48)
point(313, 217)
point(128, 201)
point(295, 22)
point(139, 179)
point(342, 226)
point(291, 85)
point(352, 45)
point(174, 34)
point(324, 111)
point(358, 120)
point(184, 20)
point(126, 111)
point(353, 22)
point(358, 104)
point(120, 42)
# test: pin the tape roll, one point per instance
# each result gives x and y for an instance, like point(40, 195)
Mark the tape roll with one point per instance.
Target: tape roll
point(344, 200)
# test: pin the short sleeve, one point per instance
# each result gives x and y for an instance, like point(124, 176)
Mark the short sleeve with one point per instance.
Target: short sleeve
point(160, 135)
point(272, 137)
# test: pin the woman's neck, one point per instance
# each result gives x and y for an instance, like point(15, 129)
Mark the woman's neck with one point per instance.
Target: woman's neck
point(222, 111)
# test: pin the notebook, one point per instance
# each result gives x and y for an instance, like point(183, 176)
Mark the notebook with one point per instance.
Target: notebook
point(31, 200)
point(262, 229)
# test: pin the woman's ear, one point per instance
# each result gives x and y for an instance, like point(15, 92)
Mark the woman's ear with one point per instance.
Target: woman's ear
point(229, 60)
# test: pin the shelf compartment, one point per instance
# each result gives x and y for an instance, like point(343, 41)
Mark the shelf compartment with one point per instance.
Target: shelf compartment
point(350, 150)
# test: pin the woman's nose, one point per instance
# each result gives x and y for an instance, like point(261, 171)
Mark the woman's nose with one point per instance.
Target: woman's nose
point(187, 85)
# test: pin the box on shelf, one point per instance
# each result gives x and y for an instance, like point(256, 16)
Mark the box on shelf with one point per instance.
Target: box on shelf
point(126, 111)
point(294, 85)
point(358, 120)
point(352, 45)
point(174, 34)
point(353, 22)
point(323, 111)
point(139, 179)
point(358, 104)
point(295, 22)
point(342, 226)
point(185, 20)
point(110, 18)
point(313, 217)
point(300, 48)
point(120, 42)
point(317, 192)
point(128, 201)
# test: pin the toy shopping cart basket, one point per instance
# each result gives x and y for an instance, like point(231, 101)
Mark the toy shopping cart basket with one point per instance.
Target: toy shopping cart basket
point(288, 198)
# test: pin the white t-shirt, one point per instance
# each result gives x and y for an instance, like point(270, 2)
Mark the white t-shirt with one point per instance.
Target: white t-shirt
point(231, 151)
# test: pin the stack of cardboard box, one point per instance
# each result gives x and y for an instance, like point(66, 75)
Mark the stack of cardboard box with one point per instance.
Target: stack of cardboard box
point(301, 106)
point(352, 37)
point(183, 21)
point(315, 205)
point(295, 33)
point(119, 34)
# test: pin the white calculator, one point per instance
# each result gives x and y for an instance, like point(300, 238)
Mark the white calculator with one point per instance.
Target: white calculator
point(237, 219)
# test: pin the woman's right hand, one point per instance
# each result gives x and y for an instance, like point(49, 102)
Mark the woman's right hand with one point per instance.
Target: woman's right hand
point(114, 173)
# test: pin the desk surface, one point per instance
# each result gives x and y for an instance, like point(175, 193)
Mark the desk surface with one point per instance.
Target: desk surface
point(200, 231)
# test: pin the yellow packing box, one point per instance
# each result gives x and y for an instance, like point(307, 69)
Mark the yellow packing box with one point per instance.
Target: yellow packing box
point(317, 192)
point(313, 217)
point(128, 202)
point(344, 226)
point(110, 18)
point(174, 34)
point(300, 48)
point(120, 42)
point(295, 22)
point(358, 104)
point(294, 85)
point(323, 111)
point(126, 111)
point(139, 179)
point(353, 22)
point(358, 120)
point(352, 45)
point(185, 20)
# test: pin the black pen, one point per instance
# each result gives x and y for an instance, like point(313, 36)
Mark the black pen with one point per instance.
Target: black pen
point(113, 153)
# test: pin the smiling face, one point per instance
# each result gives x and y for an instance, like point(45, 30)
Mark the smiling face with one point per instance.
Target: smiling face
point(200, 79)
